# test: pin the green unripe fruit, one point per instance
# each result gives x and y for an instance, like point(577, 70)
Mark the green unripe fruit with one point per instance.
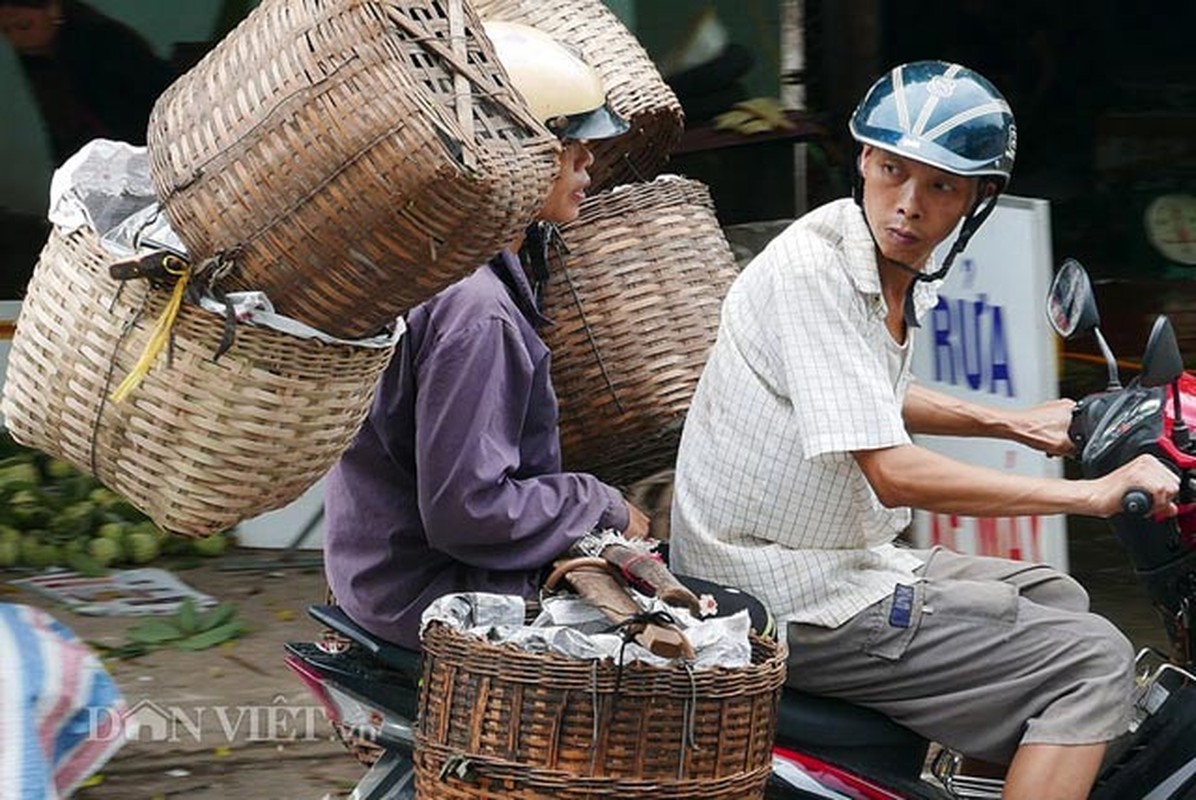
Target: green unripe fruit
point(114, 531)
point(25, 497)
point(19, 474)
point(49, 556)
point(58, 469)
point(142, 547)
point(210, 546)
point(76, 545)
point(9, 534)
point(77, 519)
point(105, 551)
point(10, 552)
point(103, 497)
point(30, 544)
point(37, 554)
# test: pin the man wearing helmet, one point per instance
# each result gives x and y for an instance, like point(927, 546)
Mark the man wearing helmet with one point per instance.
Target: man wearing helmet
point(454, 482)
point(796, 469)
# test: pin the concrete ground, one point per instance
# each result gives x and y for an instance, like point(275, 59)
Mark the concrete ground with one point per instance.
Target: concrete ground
point(244, 725)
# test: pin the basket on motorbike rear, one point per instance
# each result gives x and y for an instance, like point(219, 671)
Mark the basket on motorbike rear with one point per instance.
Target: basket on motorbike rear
point(497, 721)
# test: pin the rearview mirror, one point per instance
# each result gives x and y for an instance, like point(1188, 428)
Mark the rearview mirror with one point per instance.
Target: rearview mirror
point(1162, 362)
point(1071, 303)
point(1071, 309)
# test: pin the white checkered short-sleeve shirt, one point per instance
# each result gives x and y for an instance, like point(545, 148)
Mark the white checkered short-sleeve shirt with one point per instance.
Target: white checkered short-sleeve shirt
point(768, 496)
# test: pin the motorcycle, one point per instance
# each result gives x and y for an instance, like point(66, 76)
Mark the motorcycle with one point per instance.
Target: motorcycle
point(831, 749)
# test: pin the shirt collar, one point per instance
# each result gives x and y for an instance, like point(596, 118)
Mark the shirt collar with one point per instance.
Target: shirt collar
point(862, 269)
point(507, 267)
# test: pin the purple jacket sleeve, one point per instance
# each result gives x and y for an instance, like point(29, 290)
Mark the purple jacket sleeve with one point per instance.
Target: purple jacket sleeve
point(475, 398)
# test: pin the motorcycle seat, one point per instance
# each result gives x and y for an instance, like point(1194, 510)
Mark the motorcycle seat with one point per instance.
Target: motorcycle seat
point(848, 734)
point(399, 658)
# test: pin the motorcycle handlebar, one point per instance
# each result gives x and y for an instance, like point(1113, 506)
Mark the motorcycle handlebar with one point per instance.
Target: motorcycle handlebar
point(1136, 502)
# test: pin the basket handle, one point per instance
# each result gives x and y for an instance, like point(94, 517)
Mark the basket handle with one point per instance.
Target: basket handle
point(595, 579)
point(566, 565)
point(646, 570)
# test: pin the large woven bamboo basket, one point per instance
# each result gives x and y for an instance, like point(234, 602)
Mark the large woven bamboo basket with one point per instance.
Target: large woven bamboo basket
point(634, 85)
point(201, 444)
point(356, 156)
point(636, 310)
point(514, 724)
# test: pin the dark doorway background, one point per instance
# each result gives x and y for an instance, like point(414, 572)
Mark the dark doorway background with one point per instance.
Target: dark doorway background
point(1105, 97)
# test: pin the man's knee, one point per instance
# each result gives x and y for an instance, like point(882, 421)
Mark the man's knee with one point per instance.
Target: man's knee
point(1119, 652)
point(1109, 663)
point(1091, 694)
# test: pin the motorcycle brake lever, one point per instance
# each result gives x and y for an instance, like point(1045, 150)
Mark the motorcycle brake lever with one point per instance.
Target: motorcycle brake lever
point(1187, 491)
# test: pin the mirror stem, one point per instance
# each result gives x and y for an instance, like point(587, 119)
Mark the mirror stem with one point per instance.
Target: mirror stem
point(1179, 429)
point(1114, 375)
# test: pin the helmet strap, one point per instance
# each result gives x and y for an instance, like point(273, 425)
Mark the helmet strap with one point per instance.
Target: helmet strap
point(984, 205)
point(908, 312)
point(539, 238)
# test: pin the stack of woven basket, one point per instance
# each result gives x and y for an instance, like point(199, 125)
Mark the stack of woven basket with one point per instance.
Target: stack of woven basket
point(636, 301)
point(350, 159)
point(347, 158)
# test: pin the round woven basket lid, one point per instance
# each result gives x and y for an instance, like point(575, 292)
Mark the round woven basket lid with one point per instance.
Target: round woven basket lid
point(635, 307)
point(633, 83)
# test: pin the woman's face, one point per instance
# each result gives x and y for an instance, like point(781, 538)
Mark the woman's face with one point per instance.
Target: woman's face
point(31, 30)
point(569, 189)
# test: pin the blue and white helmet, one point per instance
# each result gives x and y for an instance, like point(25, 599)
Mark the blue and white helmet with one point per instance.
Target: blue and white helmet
point(940, 114)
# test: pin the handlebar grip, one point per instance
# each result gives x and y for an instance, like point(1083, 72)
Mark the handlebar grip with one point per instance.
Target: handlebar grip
point(1136, 502)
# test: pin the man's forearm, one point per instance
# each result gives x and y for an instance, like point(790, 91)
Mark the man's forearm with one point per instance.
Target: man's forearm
point(912, 476)
point(1043, 427)
point(926, 411)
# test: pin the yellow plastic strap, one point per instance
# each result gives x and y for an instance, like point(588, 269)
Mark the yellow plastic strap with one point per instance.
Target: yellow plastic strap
point(160, 335)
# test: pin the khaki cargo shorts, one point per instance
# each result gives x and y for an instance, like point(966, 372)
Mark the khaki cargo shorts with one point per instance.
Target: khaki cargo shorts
point(981, 655)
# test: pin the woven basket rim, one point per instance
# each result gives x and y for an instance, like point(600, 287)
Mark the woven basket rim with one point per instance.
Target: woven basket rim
point(499, 656)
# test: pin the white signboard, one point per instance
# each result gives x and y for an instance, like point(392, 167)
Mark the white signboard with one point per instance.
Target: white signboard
point(988, 341)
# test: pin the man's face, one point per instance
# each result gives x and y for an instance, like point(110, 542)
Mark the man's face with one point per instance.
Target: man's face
point(911, 206)
point(31, 30)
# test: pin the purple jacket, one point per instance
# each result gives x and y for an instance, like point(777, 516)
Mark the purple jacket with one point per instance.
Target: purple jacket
point(454, 482)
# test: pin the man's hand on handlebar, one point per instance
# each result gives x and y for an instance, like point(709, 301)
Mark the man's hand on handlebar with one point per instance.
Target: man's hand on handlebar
point(1044, 427)
point(1144, 474)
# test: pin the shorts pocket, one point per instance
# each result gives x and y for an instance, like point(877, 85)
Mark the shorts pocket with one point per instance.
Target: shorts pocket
point(990, 602)
point(895, 620)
